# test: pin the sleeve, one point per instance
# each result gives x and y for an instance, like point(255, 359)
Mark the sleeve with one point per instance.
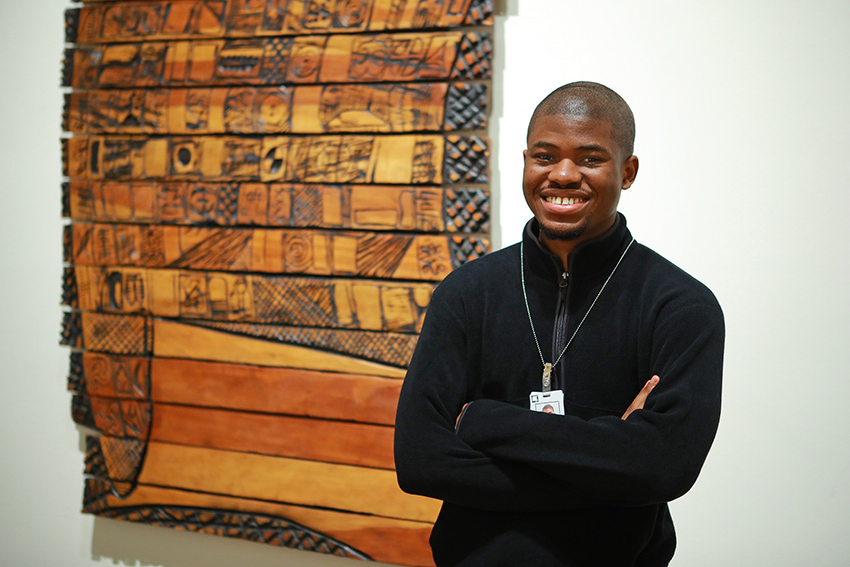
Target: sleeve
point(431, 459)
point(653, 456)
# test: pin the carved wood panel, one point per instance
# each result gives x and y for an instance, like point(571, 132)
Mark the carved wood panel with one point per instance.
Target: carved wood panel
point(262, 198)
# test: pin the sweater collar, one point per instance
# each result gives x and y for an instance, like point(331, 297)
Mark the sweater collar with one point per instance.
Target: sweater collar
point(597, 255)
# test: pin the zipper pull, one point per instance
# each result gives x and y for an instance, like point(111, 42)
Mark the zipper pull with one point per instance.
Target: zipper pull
point(565, 280)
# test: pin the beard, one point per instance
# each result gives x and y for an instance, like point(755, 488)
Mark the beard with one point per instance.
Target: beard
point(550, 233)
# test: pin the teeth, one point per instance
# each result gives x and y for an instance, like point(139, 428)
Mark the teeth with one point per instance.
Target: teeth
point(562, 200)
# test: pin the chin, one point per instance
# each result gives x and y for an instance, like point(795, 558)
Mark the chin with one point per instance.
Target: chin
point(555, 233)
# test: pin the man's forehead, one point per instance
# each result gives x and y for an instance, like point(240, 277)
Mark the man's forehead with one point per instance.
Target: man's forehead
point(546, 129)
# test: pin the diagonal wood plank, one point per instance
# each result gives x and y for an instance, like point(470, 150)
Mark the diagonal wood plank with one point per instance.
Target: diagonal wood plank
point(278, 479)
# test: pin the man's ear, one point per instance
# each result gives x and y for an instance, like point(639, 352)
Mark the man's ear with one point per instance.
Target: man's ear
point(630, 169)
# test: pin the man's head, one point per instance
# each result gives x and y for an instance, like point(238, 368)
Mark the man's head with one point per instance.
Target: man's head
point(593, 100)
point(579, 158)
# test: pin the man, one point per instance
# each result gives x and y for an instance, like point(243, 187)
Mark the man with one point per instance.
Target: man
point(579, 311)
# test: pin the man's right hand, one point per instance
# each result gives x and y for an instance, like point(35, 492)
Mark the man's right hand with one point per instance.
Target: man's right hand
point(639, 400)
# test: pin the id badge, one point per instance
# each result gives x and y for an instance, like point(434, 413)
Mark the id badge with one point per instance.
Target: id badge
point(547, 402)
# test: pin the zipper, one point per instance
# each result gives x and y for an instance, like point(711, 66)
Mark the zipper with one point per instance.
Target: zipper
point(559, 336)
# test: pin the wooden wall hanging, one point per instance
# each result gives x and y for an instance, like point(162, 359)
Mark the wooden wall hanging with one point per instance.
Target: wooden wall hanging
point(262, 196)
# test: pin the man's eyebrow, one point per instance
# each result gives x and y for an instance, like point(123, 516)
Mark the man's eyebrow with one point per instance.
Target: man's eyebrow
point(594, 148)
point(585, 148)
point(543, 144)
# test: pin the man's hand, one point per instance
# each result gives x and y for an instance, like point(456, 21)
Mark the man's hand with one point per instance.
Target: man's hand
point(638, 402)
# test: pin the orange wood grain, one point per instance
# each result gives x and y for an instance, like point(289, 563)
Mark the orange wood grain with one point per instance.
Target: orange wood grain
point(283, 436)
point(353, 397)
point(400, 542)
point(284, 480)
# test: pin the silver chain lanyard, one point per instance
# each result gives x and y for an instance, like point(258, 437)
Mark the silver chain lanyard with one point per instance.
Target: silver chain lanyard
point(549, 366)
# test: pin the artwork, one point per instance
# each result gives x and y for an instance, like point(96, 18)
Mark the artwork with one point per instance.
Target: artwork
point(262, 197)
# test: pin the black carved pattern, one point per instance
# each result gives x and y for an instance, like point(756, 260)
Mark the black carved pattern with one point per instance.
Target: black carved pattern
point(275, 59)
point(479, 12)
point(66, 199)
point(68, 72)
point(72, 22)
point(252, 527)
point(466, 210)
point(227, 206)
point(294, 301)
point(474, 57)
point(466, 159)
point(121, 418)
point(76, 374)
point(465, 250)
point(466, 106)
point(67, 243)
point(116, 460)
point(81, 411)
point(72, 330)
point(306, 206)
point(70, 295)
point(224, 249)
point(119, 334)
point(387, 348)
point(96, 495)
point(95, 462)
point(378, 255)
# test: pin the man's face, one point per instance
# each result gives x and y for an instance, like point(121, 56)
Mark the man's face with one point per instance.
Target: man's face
point(572, 178)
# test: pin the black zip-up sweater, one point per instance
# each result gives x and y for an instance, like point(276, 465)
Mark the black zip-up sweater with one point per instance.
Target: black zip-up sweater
point(587, 488)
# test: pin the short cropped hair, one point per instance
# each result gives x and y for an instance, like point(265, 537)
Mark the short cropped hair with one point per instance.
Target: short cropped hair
point(593, 100)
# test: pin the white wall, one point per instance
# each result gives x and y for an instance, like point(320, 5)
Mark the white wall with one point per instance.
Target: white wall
point(743, 135)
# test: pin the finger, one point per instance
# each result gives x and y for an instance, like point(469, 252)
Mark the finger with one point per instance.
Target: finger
point(640, 399)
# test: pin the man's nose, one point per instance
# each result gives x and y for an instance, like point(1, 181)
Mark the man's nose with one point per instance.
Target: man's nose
point(565, 172)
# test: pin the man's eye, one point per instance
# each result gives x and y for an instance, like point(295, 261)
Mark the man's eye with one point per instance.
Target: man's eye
point(544, 157)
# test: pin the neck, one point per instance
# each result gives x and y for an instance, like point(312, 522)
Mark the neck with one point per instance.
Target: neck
point(560, 248)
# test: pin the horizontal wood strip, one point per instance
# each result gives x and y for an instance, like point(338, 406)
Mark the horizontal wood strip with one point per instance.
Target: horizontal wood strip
point(280, 251)
point(177, 340)
point(353, 397)
point(367, 58)
point(401, 159)
point(314, 109)
point(285, 480)
point(176, 19)
point(282, 436)
point(358, 207)
point(316, 302)
point(349, 397)
point(400, 542)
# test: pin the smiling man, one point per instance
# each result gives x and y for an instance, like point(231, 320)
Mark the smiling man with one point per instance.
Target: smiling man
point(566, 388)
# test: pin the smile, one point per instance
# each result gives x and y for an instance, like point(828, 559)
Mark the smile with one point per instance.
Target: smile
point(564, 200)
